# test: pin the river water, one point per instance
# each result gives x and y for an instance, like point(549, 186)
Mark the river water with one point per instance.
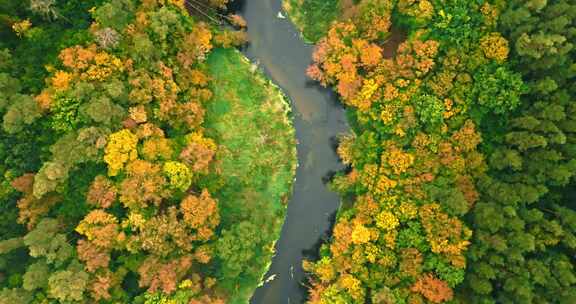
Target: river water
point(276, 46)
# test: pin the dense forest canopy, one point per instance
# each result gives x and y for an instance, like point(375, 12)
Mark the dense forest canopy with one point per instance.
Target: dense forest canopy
point(463, 152)
point(122, 183)
point(144, 160)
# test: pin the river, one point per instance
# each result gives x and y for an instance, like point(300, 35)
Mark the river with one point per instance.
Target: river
point(277, 47)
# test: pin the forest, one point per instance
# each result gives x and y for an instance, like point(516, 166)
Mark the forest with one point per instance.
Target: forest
point(143, 159)
point(462, 158)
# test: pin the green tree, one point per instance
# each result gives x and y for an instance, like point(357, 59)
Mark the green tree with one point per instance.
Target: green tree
point(36, 276)
point(236, 247)
point(23, 110)
point(68, 285)
point(497, 88)
point(45, 241)
point(15, 296)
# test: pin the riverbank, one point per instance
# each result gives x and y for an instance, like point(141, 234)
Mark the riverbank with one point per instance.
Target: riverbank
point(312, 17)
point(255, 163)
point(278, 48)
point(146, 164)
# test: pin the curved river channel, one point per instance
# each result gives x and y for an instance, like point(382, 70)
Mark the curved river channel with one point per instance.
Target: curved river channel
point(278, 49)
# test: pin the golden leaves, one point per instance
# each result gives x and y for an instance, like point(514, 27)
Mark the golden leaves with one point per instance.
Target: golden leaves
point(179, 175)
point(144, 184)
point(44, 100)
point(398, 160)
point(466, 139)
point(495, 47)
point(323, 268)
point(352, 285)
point(446, 235)
point(20, 28)
point(61, 80)
point(138, 114)
point(361, 234)
point(157, 148)
point(90, 64)
point(121, 148)
point(198, 43)
point(364, 99)
point(386, 220)
point(99, 227)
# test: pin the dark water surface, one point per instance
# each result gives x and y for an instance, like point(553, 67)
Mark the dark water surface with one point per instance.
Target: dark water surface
point(277, 47)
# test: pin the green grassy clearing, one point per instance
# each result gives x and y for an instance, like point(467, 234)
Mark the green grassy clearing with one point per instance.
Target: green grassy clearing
point(255, 162)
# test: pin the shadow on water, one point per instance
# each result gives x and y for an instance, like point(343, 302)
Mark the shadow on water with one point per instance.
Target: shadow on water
point(328, 177)
point(236, 6)
point(313, 253)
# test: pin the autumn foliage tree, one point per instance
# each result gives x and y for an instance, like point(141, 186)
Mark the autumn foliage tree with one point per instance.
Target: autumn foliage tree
point(107, 169)
point(416, 152)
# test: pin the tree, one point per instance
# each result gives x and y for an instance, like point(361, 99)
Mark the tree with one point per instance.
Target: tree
point(103, 111)
point(68, 285)
point(107, 38)
point(498, 89)
point(102, 192)
point(10, 244)
point(115, 14)
point(518, 232)
point(100, 285)
point(495, 47)
point(46, 8)
point(164, 276)
point(198, 44)
point(179, 175)
point(156, 148)
point(433, 289)
point(10, 86)
point(201, 213)
point(44, 241)
point(15, 296)
point(23, 111)
point(93, 256)
point(430, 109)
point(36, 276)
point(49, 177)
point(199, 152)
point(162, 235)
point(236, 247)
point(145, 184)
point(121, 149)
point(70, 150)
point(100, 228)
